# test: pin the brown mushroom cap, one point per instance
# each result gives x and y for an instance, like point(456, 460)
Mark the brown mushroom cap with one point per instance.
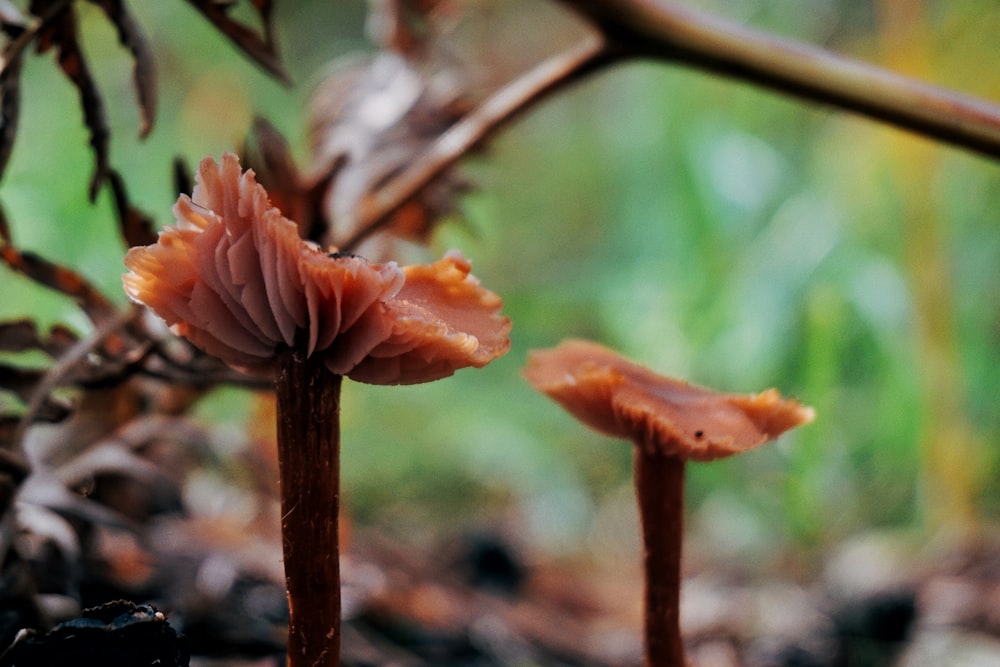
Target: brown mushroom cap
point(619, 398)
point(235, 278)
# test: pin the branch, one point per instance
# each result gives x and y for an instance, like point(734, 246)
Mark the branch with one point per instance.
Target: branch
point(524, 92)
point(641, 29)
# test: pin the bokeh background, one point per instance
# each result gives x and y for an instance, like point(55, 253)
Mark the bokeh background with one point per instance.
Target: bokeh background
point(710, 230)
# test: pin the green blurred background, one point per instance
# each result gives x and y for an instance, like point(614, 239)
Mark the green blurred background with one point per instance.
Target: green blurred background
point(707, 229)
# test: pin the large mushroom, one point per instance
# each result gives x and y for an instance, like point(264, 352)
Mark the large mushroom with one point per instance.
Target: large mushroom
point(670, 422)
point(235, 278)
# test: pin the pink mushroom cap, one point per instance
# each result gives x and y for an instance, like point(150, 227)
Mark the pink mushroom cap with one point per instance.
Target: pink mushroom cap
point(661, 414)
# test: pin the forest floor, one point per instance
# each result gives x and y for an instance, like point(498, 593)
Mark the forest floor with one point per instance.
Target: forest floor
point(473, 601)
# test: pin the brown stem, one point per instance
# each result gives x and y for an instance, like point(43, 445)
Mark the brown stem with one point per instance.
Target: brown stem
point(309, 469)
point(504, 105)
point(668, 31)
point(659, 483)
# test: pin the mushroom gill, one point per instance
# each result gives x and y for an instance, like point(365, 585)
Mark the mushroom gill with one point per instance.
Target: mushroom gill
point(235, 278)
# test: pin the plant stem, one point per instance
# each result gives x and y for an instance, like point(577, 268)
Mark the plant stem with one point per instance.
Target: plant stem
point(659, 483)
point(309, 468)
point(669, 31)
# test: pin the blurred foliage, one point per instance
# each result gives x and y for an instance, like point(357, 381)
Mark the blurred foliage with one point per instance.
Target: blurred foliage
point(709, 230)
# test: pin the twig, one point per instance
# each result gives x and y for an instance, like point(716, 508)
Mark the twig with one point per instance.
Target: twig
point(64, 365)
point(640, 29)
point(188, 372)
point(667, 31)
point(519, 95)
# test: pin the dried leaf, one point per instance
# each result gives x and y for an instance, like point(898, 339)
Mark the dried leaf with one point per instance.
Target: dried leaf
point(14, 467)
point(61, 32)
point(10, 104)
point(260, 49)
point(8, 424)
point(22, 335)
point(42, 489)
point(10, 91)
point(372, 119)
point(109, 457)
point(19, 336)
point(131, 37)
point(404, 26)
point(136, 226)
point(53, 411)
point(4, 226)
point(10, 14)
point(268, 154)
point(63, 280)
point(374, 148)
point(22, 383)
point(59, 340)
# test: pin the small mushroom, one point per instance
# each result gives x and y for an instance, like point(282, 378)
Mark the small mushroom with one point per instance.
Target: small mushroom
point(235, 278)
point(670, 422)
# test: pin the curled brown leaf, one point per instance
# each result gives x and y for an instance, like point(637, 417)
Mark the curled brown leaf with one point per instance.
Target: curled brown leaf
point(136, 226)
point(23, 382)
point(371, 119)
point(66, 281)
point(144, 76)
point(61, 31)
point(12, 25)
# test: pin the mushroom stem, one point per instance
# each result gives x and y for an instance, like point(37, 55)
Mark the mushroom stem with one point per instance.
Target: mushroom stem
point(659, 483)
point(309, 469)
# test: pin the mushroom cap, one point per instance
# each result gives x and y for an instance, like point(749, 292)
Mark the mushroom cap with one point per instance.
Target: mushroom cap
point(663, 415)
point(441, 318)
point(235, 278)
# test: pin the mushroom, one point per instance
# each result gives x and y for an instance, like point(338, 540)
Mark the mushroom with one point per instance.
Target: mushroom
point(235, 278)
point(670, 422)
